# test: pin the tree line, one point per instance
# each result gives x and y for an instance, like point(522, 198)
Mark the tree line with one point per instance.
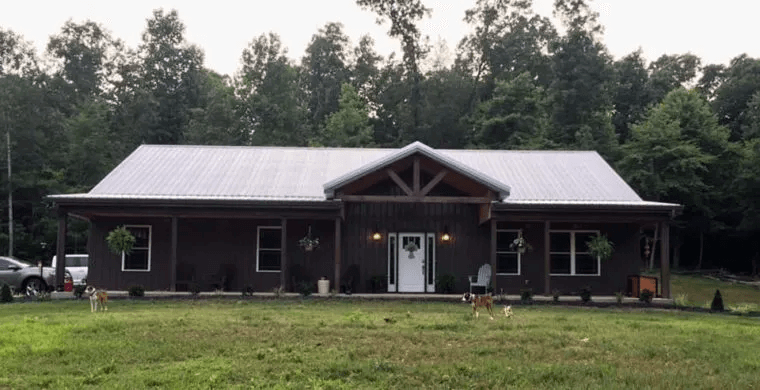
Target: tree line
point(677, 130)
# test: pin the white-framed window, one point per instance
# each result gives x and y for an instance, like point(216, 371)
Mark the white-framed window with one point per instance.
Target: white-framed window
point(138, 260)
point(569, 253)
point(268, 248)
point(507, 259)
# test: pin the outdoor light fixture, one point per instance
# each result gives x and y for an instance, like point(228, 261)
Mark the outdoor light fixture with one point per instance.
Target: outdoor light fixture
point(445, 237)
point(376, 236)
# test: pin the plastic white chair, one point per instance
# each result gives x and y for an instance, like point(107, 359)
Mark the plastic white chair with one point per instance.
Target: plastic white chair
point(483, 278)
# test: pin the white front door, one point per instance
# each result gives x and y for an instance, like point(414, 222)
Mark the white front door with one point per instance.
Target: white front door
point(411, 276)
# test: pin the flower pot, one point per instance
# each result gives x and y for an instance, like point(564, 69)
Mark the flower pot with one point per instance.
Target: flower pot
point(323, 286)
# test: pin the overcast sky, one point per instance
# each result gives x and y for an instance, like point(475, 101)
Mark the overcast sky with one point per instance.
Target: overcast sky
point(716, 31)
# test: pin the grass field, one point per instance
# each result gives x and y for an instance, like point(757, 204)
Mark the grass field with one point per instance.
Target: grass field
point(699, 291)
point(349, 344)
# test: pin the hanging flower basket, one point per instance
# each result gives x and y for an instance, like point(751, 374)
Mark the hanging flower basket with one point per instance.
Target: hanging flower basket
point(411, 247)
point(600, 246)
point(519, 244)
point(309, 243)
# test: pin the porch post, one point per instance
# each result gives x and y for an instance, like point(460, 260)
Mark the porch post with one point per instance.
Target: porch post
point(665, 259)
point(337, 254)
point(60, 249)
point(283, 253)
point(493, 255)
point(547, 258)
point(173, 259)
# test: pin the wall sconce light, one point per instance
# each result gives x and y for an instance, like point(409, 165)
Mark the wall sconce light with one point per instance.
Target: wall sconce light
point(445, 237)
point(376, 236)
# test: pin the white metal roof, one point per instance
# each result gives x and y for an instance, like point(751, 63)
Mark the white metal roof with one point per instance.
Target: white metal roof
point(303, 174)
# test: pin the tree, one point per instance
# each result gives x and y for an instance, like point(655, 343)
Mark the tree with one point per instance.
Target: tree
point(403, 15)
point(349, 126)
point(515, 118)
point(670, 72)
point(508, 39)
point(17, 56)
point(86, 58)
point(680, 154)
point(581, 90)
point(631, 98)
point(216, 121)
point(272, 109)
point(171, 71)
point(325, 69)
point(364, 69)
point(740, 81)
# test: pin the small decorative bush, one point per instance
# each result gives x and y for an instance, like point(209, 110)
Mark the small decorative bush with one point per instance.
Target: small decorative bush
point(248, 291)
point(278, 291)
point(120, 240)
point(194, 288)
point(305, 288)
point(79, 291)
point(717, 302)
point(526, 295)
point(646, 296)
point(377, 283)
point(136, 291)
point(681, 300)
point(445, 283)
point(555, 295)
point(5, 294)
point(619, 297)
point(586, 294)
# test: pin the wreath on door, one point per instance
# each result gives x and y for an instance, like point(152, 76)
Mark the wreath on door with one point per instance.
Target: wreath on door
point(411, 247)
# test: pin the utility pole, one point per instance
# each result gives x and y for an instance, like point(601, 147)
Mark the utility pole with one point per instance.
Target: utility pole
point(10, 196)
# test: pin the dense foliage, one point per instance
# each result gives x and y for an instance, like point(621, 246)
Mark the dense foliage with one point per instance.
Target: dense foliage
point(676, 129)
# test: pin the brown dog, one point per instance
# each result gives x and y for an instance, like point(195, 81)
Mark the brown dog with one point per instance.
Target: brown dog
point(478, 302)
point(97, 296)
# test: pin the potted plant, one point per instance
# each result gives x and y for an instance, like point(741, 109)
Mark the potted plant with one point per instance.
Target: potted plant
point(601, 247)
point(120, 241)
point(309, 243)
point(519, 244)
point(411, 247)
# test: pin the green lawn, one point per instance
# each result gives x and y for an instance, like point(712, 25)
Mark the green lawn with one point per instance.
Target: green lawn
point(699, 291)
point(349, 344)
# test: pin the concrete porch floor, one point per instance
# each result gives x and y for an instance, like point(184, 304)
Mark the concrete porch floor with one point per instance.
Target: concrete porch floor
point(381, 296)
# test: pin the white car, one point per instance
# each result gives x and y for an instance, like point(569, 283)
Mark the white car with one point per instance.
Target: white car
point(77, 266)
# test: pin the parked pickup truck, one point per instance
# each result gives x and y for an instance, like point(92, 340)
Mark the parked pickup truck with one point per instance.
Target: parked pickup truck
point(76, 265)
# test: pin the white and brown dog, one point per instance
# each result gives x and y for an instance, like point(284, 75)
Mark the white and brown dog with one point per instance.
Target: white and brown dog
point(478, 302)
point(97, 296)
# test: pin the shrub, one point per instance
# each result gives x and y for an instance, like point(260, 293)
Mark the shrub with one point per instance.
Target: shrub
point(526, 295)
point(79, 291)
point(377, 283)
point(586, 294)
point(619, 297)
point(305, 288)
point(194, 288)
point(248, 291)
point(136, 291)
point(555, 295)
point(5, 294)
point(681, 300)
point(278, 291)
point(717, 302)
point(646, 296)
point(445, 283)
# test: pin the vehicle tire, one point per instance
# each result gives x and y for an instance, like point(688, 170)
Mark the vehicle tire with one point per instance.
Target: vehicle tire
point(33, 286)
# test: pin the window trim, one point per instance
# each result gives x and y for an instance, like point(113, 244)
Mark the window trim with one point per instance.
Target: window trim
point(150, 250)
point(573, 253)
point(258, 247)
point(519, 255)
